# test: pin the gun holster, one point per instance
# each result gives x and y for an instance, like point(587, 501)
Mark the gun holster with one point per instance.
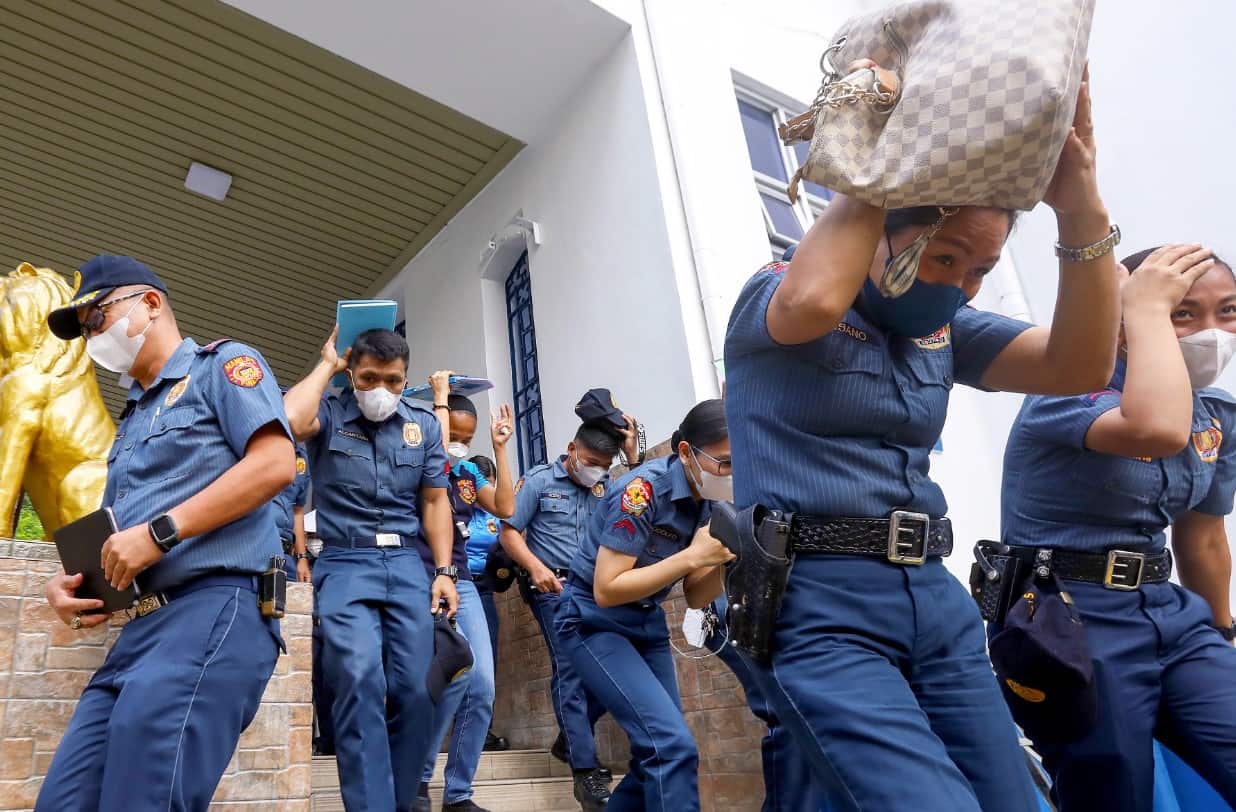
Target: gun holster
point(996, 579)
point(755, 580)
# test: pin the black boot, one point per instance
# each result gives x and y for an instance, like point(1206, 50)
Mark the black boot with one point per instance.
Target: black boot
point(592, 789)
point(496, 744)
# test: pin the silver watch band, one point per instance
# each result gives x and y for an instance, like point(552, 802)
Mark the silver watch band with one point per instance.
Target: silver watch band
point(1092, 251)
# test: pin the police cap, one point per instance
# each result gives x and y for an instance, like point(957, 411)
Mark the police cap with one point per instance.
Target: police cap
point(95, 280)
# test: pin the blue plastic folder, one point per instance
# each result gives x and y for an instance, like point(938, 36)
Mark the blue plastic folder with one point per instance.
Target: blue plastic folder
point(460, 385)
point(355, 316)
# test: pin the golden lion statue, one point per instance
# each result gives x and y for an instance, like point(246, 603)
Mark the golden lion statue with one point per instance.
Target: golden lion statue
point(55, 431)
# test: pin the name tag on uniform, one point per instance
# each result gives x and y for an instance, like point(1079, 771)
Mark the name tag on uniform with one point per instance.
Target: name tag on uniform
point(387, 539)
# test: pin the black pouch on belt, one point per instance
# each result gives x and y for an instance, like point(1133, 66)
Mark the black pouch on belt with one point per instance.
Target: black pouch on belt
point(755, 580)
point(997, 577)
point(273, 589)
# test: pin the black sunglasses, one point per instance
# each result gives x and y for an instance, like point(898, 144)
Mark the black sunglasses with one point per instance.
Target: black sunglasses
point(95, 316)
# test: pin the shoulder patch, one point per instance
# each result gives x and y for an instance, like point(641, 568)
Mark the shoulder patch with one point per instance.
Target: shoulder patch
point(244, 371)
point(467, 490)
point(412, 436)
point(636, 496)
point(936, 341)
point(301, 465)
point(177, 391)
point(1206, 444)
point(779, 266)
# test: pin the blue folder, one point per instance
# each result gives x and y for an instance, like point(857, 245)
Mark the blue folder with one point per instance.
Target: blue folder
point(355, 316)
point(460, 385)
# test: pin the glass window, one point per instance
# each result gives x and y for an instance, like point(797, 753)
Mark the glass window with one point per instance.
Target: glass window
point(781, 214)
point(526, 378)
point(800, 153)
point(762, 142)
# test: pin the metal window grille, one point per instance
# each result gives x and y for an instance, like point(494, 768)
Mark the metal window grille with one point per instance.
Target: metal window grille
point(525, 376)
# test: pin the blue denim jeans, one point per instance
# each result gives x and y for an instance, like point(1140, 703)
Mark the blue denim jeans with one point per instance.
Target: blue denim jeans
point(469, 701)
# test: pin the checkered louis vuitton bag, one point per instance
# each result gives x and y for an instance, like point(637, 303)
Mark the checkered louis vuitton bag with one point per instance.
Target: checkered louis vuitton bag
point(985, 96)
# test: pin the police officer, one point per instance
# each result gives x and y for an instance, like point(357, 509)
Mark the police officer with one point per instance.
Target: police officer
point(468, 489)
point(649, 533)
point(1096, 479)
point(553, 504)
point(379, 481)
point(837, 394)
point(290, 520)
point(201, 449)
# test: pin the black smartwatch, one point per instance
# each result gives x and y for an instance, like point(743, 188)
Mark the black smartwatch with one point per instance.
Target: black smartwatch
point(451, 572)
point(163, 531)
point(1228, 632)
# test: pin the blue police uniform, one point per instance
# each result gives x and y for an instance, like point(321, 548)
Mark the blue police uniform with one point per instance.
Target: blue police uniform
point(788, 784)
point(291, 497)
point(879, 670)
point(1161, 670)
point(623, 653)
point(373, 593)
point(552, 511)
point(165, 711)
point(468, 701)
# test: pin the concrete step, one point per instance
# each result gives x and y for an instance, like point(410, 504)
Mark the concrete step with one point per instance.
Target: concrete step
point(513, 781)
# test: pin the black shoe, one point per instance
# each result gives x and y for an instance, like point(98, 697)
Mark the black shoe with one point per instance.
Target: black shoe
point(604, 771)
point(592, 790)
point(421, 804)
point(462, 805)
point(496, 744)
point(559, 750)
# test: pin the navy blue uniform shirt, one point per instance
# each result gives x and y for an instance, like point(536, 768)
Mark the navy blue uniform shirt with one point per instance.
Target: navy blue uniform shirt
point(367, 477)
point(466, 481)
point(180, 435)
point(650, 514)
point(844, 425)
point(552, 511)
point(293, 496)
point(1058, 493)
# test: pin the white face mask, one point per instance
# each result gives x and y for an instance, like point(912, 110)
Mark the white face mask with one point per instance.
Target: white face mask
point(1206, 354)
point(588, 475)
point(377, 404)
point(114, 349)
point(712, 487)
point(456, 451)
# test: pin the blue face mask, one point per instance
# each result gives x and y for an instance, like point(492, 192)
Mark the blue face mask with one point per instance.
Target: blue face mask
point(918, 312)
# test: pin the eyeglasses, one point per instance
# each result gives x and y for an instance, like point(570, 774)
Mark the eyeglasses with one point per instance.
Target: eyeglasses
point(724, 467)
point(95, 316)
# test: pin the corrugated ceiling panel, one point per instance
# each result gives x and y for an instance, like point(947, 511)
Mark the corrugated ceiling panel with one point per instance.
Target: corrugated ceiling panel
point(339, 175)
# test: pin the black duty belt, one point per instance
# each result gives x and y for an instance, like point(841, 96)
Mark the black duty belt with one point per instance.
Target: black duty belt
point(153, 601)
point(561, 573)
point(902, 538)
point(1114, 569)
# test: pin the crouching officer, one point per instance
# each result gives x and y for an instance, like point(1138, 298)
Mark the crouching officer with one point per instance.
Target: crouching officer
point(290, 520)
point(379, 471)
point(201, 450)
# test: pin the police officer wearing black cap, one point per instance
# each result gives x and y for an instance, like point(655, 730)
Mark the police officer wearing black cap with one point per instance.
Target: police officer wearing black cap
point(553, 504)
point(201, 449)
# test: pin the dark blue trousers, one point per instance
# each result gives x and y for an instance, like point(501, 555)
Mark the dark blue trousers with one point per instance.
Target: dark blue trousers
point(624, 658)
point(1163, 674)
point(788, 785)
point(377, 641)
point(159, 721)
point(881, 674)
point(576, 709)
point(485, 589)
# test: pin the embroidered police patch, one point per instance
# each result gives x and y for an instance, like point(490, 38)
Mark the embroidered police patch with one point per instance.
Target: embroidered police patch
point(467, 491)
point(412, 434)
point(244, 371)
point(492, 526)
point(1206, 443)
point(598, 490)
point(636, 497)
point(177, 391)
point(936, 341)
point(301, 465)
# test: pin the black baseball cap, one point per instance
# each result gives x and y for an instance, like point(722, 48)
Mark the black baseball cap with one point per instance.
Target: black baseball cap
point(94, 281)
point(452, 657)
point(1043, 663)
point(598, 405)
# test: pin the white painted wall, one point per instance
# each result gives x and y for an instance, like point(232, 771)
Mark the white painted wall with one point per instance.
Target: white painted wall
point(604, 295)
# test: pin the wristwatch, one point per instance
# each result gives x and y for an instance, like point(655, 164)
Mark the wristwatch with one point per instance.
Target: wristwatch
point(1092, 251)
point(164, 533)
point(1229, 632)
point(301, 556)
point(451, 572)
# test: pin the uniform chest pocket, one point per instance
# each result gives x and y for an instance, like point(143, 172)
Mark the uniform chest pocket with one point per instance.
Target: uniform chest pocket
point(658, 548)
point(552, 505)
point(931, 367)
point(168, 446)
point(1137, 480)
point(409, 467)
point(841, 355)
point(350, 461)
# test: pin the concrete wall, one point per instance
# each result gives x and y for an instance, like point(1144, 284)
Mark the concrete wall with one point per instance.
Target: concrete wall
point(44, 666)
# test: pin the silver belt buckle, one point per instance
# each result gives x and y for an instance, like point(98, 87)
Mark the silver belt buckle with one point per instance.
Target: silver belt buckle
point(387, 539)
point(1125, 570)
point(912, 550)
